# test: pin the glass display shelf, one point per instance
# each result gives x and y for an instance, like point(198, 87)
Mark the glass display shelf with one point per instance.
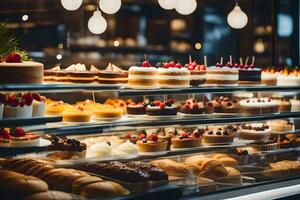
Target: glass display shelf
point(124, 91)
point(11, 122)
point(100, 127)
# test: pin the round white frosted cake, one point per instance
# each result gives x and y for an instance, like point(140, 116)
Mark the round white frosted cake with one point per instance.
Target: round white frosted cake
point(21, 73)
point(288, 80)
point(142, 77)
point(255, 131)
point(222, 76)
point(173, 77)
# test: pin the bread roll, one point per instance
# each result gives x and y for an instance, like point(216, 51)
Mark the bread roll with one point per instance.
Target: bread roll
point(83, 181)
point(103, 189)
point(233, 177)
point(173, 168)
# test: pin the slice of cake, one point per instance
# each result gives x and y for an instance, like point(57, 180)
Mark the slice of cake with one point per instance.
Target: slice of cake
point(113, 75)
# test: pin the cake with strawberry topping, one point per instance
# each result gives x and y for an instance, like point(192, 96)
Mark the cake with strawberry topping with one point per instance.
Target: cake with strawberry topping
point(2, 103)
point(158, 108)
point(192, 106)
point(19, 137)
point(248, 74)
point(222, 74)
point(143, 77)
point(225, 105)
point(173, 75)
point(151, 143)
point(257, 106)
point(14, 70)
point(187, 139)
point(198, 73)
point(39, 105)
point(136, 108)
point(288, 78)
point(18, 105)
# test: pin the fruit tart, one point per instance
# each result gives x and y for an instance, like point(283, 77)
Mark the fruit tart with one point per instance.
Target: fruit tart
point(151, 143)
point(158, 108)
point(192, 106)
point(187, 139)
point(19, 137)
point(218, 136)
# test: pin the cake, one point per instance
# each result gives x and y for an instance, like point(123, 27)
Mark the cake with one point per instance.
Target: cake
point(255, 131)
point(136, 109)
point(19, 137)
point(16, 71)
point(99, 150)
point(269, 77)
point(192, 106)
point(56, 108)
point(264, 145)
point(198, 73)
point(225, 105)
point(158, 108)
point(187, 139)
point(222, 75)
point(113, 75)
point(18, 105)
point(249, 74)
point(281, 125)
point(50, 75)
point(257, 106)
point(105, 112)
point(288, 78)
point(39, 106)
point(172, 75)
point(217, 136)
point(285, 142)
point(151, 144)
point(143, 77)
point(284, 105)
point(295, 105)
point(76, 114)
point(79, 74)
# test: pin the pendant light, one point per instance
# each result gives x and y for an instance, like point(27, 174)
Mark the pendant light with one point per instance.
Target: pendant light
point(237, 19)
point(97, 23)
point(186, 7)
point(110, 6)
point(167, 4)
point(71, 5)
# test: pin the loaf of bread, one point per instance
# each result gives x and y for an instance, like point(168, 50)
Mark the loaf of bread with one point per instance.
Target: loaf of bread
point(14, 185)
point(227, 160)
point(173, 168)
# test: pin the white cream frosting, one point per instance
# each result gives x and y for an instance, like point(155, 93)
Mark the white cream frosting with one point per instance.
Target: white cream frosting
point(268, 76)
point(295, 105)
point(142, 69)
point(253, 102)
point(166, 77)
point(127, 148)
point(173, 70)
point(288, 80)
point(214, 68)
point(222, 77)
point(99, 150)
point(133, 76)
point(198, 77)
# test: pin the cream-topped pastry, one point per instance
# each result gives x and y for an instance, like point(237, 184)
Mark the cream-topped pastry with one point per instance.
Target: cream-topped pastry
point(255, 131)
point(125, 149)
point(144, 77)
point(173, 76)
point(99, 150)
point(269, 77)
point(18, 106)
point(286, 78)
point(113, 75)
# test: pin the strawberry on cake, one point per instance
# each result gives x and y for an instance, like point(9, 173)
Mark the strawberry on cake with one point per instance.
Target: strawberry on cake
point(158, 108)
point(19, 137)
point(18, 106)
point(222, 74)
point(143, 77)
point(172, 75)
point(257, 106)
point(192, 106)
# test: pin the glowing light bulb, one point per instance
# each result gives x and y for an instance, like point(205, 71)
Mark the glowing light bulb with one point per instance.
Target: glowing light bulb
point(237, 19)
point(110, 6)
point(25, 18)
point(186, 7)
point(97, 23)
point(71, 5)
point(167, 4)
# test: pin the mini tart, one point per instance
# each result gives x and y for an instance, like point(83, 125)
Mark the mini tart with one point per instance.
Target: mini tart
point(76, 115)
point(191, 141)
point(191, 106)
point(218, 137)
point(29, 139)
point(107, 111)
point(56, 108)
point(136, 109)
point(152, 146)
point(158, 108)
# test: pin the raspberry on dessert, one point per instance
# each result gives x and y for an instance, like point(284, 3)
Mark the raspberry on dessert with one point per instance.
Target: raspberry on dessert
point(172, 64)
point(195, 106)
point(13, 58)
point(36, 97)
point(142, 136)
point(153, 138)
point(146, 63)
point(18, 132)
point(28, 99)
point(202, 67)
point(186, 106)
point(218, 65)
point(12, 101)
point(128, 136)
point(197, 134)
point(184, 135)
point(162, 105)
point(157, 103)
point(190, 67)
point(166, 65)
point(4, 134)
point(178, 65)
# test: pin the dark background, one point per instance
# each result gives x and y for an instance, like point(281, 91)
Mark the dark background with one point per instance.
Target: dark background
point(143, 27)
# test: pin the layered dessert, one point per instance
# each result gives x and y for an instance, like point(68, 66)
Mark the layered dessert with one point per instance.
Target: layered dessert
point(217, 136)
point(158, 108)
point(281, 125)
point(4, 137)
point(14, 70)
point(249, 74)
point(255, 131)
point(18, 105)
point(288, 78)
point(225, 105)
point(143, 77)
point(112, 75)
point(151, 143)
point(136, 108)
point(284, 105)
point(257, 106)
point(198, 73)
point(78, 73)
point(50, 75)
point(185, 139)
point(172, 75)
point(222, 75)
point(39, 105)
point(269, 77)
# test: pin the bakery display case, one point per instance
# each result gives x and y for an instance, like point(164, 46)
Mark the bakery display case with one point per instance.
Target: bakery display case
point(100, 141)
